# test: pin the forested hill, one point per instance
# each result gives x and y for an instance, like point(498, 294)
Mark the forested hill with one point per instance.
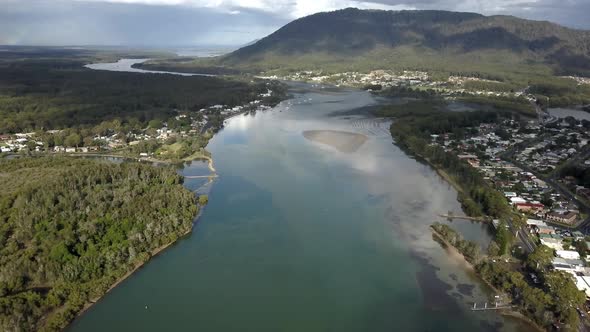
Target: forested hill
point(418, 38)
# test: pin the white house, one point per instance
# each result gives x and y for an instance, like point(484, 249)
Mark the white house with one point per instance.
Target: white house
point(567, 254)
point(515, 200)
point(552, 243)
point(583, 284)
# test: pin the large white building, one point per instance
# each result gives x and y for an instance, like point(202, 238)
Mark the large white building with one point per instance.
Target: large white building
point(567, 254)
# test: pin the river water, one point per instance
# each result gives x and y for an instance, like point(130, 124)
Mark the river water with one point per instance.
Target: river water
point(577, 113)
point(300, 235)
point(125, 65)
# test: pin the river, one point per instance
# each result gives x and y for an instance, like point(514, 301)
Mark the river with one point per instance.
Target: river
point(577, 113)
point(304, 235)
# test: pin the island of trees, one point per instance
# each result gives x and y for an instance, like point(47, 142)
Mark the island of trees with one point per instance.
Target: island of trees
point(70, 228)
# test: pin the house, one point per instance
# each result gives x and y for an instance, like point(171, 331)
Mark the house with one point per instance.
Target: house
point(568, 254)
point(545, 230)
point(535, 222)
point(529, 207)
point(552, 243)
point(515, 200)
point(467, 156)
point(583, 284)
point(570, 266)
point(562, 217)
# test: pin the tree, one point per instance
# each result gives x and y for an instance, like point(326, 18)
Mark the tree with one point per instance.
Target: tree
point(493, 249)
point(203, 199)
point(73, 140)
point(582, 248)
point(565, 295)
point(155, 124)
point(540, 259)
point(88, 141)
point(503, 237)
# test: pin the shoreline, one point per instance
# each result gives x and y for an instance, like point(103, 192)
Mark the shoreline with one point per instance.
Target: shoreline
point(129, 273)
point(155, 252)
point(453, 251)
point(457, 255)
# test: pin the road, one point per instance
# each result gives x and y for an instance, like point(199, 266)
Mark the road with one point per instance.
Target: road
point(551, 180)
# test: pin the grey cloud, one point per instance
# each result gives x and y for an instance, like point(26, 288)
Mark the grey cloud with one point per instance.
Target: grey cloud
point(571, 13)
point(59, 22)
point(81, 23)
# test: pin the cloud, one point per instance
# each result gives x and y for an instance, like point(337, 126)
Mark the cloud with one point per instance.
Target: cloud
point(291, 8)
point(227, 22)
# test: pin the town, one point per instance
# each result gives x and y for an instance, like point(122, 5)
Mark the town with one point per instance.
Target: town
point(382, 79)
point(543, 171)
point(182, 136)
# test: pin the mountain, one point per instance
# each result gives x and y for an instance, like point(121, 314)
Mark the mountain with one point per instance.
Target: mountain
point(372, 39)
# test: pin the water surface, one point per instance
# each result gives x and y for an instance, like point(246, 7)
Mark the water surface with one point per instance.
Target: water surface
point(126, 65)
point(301, 236)
point(577, 113)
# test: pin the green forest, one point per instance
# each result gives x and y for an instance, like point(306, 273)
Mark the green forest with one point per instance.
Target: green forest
point(59, 93)
point(70, 228)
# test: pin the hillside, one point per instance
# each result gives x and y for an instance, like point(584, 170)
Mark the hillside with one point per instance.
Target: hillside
point(436, 40)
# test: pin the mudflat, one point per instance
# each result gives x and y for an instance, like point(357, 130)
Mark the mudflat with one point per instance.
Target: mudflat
point(342, 141)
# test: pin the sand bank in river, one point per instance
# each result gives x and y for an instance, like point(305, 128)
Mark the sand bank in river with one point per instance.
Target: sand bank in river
point(342, 141)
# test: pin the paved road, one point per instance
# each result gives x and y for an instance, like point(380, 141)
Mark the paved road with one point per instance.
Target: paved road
point(551, 180)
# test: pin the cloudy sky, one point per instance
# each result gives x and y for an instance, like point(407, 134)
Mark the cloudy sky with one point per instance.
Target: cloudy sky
point(220, 22)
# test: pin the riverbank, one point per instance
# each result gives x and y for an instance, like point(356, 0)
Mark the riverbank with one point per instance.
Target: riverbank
point(196, 156)
point(153, 254)
point(458, 257)
point(156, 251)
point(453, 252)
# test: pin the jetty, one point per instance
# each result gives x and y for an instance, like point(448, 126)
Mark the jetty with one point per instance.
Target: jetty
point(450, 216)
point(200, 176)
point(491, 306)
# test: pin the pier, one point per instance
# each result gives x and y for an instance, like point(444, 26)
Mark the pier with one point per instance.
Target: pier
point(450, 216)
point(200, 176)
point(491, 306)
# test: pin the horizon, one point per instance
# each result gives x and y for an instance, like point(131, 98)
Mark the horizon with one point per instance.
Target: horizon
point(219, 24)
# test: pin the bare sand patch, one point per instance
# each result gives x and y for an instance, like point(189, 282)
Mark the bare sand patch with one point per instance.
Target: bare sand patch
point(342, 141)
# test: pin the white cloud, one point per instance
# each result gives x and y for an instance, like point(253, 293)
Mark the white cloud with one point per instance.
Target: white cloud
point(289, 8)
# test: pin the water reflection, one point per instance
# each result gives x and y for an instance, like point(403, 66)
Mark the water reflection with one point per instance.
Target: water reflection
point(299, 237)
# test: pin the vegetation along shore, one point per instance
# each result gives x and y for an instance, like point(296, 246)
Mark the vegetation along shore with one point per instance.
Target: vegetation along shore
point(548, 299)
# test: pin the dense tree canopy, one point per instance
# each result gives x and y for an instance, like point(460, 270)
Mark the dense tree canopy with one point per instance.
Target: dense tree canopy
point(37, 94)
point(69, 228)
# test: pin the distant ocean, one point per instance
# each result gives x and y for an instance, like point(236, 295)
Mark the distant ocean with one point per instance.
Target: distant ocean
point(208, 51)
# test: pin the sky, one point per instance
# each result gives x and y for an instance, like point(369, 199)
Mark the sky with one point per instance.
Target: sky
point(221, 22)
